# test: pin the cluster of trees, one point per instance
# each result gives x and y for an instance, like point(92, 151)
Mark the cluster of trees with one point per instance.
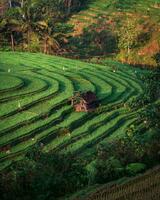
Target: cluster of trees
point(127, 156)
point(43, 176)
point(36, 25)
point(151, 93)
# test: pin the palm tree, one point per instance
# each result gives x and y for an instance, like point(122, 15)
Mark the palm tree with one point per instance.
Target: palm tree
point(33, 25)
point(48, 39)
point(27, 17)
point(9, 27)
point(71, 4)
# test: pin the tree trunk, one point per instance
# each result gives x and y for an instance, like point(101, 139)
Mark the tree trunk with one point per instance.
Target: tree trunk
point(45, 46)
point(12, 41)
point(67, 6)
point(28, 35)
point(22, 3)
point(128, 50)
point(10, 3)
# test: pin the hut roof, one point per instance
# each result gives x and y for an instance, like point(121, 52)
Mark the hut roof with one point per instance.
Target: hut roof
point(89, 96)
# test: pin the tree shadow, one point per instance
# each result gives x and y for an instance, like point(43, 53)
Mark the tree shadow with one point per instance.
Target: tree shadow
point(96, 40)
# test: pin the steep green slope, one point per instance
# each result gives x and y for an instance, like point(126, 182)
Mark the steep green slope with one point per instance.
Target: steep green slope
point(35, 110)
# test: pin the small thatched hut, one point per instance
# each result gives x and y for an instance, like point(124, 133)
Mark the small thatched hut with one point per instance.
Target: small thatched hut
point(84, 102)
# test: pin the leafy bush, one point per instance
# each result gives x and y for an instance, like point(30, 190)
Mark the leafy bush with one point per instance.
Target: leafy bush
point(107, 170)
point(135, 147)
point(41, 176)
point(135, 168)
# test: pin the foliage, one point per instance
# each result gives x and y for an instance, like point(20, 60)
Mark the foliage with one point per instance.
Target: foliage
point(125, 4)
point(127, 35)
point(42, 176)
point(153, 85)
point(39, 18)
point(97, 40)
point(108, 170)
point(157, 58)
point(150, 116)
point(71, 6)
point(134, 153)
point(135, 168)
point(144, 186)
point(151, 93)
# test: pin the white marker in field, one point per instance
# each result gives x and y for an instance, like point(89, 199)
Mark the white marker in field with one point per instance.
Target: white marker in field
point(19, 104)
point(9, 70)
point(64, 68)
point(8, 151)
point(41, 144)
point(145, 122)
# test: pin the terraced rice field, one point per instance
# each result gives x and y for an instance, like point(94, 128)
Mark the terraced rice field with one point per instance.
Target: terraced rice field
point(110, 8)
point(34, 109)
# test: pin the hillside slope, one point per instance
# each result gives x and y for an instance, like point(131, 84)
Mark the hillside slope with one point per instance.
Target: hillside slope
point(34, 109)
point(142, 18)
point(107, 8)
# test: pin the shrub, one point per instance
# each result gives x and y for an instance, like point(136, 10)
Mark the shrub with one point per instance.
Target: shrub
point(135, 168)
point(107, 170)
point(41, 176)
